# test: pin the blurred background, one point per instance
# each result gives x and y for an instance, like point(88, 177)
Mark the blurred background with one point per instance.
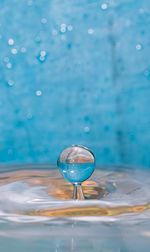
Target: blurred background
point(75, 72)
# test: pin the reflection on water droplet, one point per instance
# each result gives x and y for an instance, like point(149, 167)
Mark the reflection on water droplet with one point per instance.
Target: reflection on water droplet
point(11, 42)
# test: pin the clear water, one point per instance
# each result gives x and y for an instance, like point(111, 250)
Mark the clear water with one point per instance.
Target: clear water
point(37, 213)
point(76, 172)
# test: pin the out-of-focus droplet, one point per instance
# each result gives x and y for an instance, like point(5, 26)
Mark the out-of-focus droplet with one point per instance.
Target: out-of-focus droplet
point(38, 92)
point(10, 83)
point(43, 20)
point(14, 51)
point(63, 28)
point(70, 27)
point(139, 47)
point(90, 31)
point(9, 65)
point(23, 49)
point(104, 6)
point(11, 42)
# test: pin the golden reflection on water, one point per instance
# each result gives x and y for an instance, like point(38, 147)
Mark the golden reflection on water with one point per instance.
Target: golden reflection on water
point(58, 189)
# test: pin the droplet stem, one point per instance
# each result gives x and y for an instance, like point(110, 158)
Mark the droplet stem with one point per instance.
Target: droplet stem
point(77, 192)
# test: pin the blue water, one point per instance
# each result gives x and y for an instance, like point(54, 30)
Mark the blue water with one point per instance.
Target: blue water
point(76, 172)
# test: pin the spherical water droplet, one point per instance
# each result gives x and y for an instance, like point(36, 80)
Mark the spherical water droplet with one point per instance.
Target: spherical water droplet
point(43, 20)
point(42, 56)
point(38, 93)
point(6, 59)
point(10, 83)
point(29, 115)
point(23, 49)
point(14, 51)
point(90, 31)
point(86, 129)
point(70, 27)
point(63, 28)
point(43, 53)
point(9, 65)
point(11, 42)
point(104, 6)
point(54, 32)
point(139, 47)
point(76, 163)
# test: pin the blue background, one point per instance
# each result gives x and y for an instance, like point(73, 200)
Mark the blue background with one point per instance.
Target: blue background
point(75, 72)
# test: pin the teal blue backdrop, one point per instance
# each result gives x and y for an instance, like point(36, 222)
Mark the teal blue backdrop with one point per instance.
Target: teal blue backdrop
point(75, 72)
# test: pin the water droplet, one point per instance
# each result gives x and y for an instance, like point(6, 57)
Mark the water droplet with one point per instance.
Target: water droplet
point(139, 47)
point(9, 65)
point(42, 56)
point(29, 115)
point(11, 42)
point(23, 49)
point(43, 53)
point(86, 129)
point(76, 163)
point(90, 31)
point(6, 59)
point(70, 27)
point(63, 28)
point(38, 92)
point(10, 83)
point(54, 32)
point(104, 6)
point(43, 20)
point(14, 51)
